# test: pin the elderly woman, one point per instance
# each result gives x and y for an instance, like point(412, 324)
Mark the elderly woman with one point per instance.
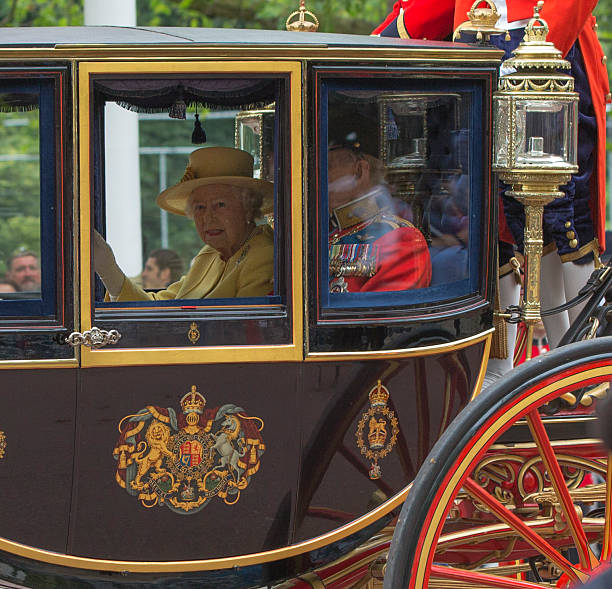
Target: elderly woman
point(219, 192)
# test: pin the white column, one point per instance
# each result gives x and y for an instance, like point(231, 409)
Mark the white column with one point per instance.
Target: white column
point(122, 167)
point(120, 13)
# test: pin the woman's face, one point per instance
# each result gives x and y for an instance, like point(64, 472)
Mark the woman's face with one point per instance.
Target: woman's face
point(220, 217)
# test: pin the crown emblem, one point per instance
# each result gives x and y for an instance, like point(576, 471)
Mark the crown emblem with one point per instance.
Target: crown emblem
point(193, 402)
point(301, 23)
point(382, 429)
point(379, 395)
point(482, 21)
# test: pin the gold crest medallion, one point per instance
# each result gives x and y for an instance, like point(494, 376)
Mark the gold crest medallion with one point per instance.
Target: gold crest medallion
point(194, 333)
point(184, 460)
point(382, 429)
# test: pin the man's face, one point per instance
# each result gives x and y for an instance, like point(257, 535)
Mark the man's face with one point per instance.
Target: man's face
point(24, 273)
point(347, 175)
point(153, 277)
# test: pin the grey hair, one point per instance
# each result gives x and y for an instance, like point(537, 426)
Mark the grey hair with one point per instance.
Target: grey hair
point(251, 201)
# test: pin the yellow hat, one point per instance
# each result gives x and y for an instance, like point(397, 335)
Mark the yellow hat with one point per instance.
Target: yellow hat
point(214, 165)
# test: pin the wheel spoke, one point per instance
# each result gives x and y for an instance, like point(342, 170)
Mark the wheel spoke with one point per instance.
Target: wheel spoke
point(475, 579)
point(505, 515)
point(587, 559)
point(607, 540)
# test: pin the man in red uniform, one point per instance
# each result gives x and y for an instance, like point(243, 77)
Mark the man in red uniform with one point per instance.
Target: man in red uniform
point(371, 247)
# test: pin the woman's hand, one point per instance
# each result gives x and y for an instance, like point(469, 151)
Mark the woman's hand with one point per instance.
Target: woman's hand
point(106, 266)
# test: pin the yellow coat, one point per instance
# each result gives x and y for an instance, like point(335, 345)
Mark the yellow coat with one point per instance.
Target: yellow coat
point(248, 273)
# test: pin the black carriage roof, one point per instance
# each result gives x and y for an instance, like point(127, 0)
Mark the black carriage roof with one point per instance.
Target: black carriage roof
point(55, 37)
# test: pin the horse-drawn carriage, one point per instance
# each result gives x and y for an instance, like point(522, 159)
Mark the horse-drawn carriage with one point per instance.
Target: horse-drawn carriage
point(271, 439)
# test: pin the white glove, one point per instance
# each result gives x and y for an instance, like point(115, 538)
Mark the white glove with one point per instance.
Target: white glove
point(106, 265)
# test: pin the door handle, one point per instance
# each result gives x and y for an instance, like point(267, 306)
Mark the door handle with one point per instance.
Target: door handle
point(93, 338)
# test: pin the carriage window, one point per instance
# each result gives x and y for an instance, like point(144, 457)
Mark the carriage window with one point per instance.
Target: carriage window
point(399, 184)
point(27, 187)
point(185, 191)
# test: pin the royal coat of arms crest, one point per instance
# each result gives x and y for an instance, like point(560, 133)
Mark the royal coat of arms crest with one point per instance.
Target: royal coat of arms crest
point(182, 461)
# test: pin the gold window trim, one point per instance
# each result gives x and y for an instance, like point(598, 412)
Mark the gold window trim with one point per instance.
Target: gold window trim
point(186, 355)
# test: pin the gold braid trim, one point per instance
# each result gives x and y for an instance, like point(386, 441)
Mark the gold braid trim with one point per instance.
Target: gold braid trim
point(592, 246)
point(401, 26)
point(188, 175)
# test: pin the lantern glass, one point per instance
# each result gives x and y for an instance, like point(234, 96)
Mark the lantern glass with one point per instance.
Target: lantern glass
point(248, 138)
point(543, 133)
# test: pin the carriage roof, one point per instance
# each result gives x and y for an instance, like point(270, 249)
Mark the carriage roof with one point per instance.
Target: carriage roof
point(114, 35)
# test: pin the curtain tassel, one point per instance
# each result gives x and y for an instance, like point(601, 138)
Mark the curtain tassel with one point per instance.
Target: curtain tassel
point(199, 135)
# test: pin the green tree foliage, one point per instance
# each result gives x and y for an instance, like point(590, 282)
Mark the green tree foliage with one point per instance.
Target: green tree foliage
point(40, 13)
point(346, 16)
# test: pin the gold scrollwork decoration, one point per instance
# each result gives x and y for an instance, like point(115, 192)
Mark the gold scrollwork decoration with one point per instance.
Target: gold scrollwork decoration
point(519, 481)
point(2, 444)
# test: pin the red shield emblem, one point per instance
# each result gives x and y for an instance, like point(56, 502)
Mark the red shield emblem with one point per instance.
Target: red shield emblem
point(191, 453)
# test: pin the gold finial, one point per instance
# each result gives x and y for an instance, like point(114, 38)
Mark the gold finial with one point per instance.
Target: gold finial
point(535, 52)
point(481, 21)
point(536, 33)
point(301, 24)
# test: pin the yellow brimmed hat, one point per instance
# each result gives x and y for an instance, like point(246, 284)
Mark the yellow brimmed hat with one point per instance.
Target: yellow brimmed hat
point(214, 165)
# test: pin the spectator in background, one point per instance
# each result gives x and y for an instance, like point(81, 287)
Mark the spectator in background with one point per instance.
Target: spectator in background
point(23, 271)
point(162, 268)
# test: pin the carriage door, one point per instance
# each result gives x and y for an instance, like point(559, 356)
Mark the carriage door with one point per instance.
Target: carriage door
point(37, 368)
point(211, 323)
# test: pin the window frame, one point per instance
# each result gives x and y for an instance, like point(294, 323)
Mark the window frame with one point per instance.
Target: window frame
point(217, 310)
point(46, 306)
point(36, 329)
point(399, 308)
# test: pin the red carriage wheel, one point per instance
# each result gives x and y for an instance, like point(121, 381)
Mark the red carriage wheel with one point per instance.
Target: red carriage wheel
point(511, 496)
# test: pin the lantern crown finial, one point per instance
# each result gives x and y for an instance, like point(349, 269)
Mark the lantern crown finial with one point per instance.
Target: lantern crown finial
point(537, 28)
point(535, 52)
point(482, 20)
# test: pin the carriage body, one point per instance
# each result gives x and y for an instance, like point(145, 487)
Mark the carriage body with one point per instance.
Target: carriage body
point(336, 397)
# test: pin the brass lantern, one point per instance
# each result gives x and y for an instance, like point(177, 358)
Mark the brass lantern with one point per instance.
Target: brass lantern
point(535, 141)
point(254, 133)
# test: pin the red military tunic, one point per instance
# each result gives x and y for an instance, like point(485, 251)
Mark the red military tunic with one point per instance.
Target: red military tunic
point(382, 252)
point(568, 20)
